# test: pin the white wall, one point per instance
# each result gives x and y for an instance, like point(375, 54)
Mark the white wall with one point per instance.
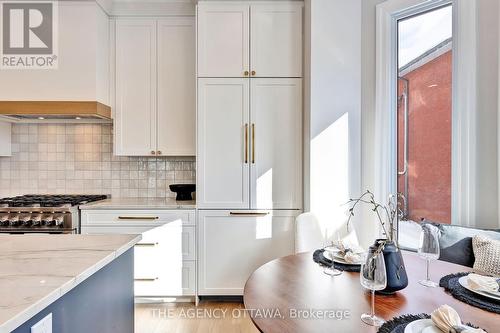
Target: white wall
point(333, 104)
point(368, 48)
point(487, 107)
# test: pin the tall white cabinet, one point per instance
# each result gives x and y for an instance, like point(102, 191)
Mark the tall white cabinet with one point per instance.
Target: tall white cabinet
point(223, 144)
point(155, 86)
point(276, 143)
point(249, 142)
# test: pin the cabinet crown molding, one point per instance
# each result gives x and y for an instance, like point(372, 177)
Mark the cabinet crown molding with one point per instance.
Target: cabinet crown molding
point(152, 8)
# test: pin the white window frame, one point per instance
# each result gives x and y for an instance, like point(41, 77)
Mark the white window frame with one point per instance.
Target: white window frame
point(463, 100)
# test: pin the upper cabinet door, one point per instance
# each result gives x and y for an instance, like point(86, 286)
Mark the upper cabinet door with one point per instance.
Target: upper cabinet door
point(176, 117)
point(135, 116)
point(276, 40)
point(223, 40)
point(276, 138)
point(223, 136)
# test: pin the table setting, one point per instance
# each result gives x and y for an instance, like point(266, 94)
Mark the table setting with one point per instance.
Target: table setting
point(339, 257)
point(382, 271)
point(474, 289)
point(443, 319)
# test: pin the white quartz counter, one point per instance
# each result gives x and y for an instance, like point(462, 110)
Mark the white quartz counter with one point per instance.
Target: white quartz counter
point(36, 270)
point(139, 203)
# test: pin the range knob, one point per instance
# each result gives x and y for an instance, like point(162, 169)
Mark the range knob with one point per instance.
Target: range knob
point(47, 220)
point(25, 220)
point(59, 221)
point(14, 220)
point(36, 220)
point(4, 220)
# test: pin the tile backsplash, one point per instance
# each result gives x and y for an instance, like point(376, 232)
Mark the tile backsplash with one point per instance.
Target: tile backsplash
point(78, 158)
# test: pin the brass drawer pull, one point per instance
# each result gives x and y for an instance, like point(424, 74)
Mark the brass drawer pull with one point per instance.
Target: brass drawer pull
point(146, 279)
point(246, 143)
point(153, 152)
point(253, 73)
point(146, 244)
point(248, 213)
point(245, 73)
point(138, 217)
point(253, 143)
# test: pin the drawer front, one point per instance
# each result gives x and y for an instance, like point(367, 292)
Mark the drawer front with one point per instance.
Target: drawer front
point(137, 217)
point(174, 280)
point(171, 240)
point(253, 239)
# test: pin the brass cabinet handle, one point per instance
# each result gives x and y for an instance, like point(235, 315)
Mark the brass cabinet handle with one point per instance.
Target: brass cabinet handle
point(253, 73)
point(245, 73)
point(159, 152)
point(146, 279)
point(253, 143)
point(248, 213)
point(246, 143)
point(153, 152)
point(138, 217)
point(146, 244)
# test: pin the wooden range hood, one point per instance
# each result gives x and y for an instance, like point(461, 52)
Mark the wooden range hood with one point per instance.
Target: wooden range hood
point(22, 110)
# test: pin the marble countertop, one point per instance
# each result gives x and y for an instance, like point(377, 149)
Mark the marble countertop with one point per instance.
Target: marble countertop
point(36, 270)
point(140, 203)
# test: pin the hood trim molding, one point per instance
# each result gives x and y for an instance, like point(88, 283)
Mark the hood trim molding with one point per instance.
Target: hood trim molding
point(59, 109)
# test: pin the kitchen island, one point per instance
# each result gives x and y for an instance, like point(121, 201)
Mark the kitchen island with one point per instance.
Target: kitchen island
point(85, 282)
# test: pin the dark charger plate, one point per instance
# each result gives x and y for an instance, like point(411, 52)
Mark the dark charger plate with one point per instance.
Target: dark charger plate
point(183, 191)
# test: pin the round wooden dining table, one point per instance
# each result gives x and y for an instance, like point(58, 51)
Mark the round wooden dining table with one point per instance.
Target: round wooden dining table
point(292, 294)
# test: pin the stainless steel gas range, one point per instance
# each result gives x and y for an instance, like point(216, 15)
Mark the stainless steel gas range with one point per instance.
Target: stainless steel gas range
point(53, 214)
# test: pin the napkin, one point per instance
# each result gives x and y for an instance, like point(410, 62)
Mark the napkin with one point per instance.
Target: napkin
point(345, 248)
point(352, 258)
point(447, 320)
point(482, 283)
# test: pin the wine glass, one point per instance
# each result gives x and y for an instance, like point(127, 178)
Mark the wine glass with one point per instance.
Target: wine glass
point(429, 249)
point(329, 270)
point(373, 277)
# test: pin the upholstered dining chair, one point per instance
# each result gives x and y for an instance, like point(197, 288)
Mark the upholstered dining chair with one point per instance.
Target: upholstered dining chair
point(308, 234)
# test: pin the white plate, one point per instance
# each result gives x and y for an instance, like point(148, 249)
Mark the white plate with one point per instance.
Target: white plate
point(464, 282)
point(338, 259)
point(422, 326)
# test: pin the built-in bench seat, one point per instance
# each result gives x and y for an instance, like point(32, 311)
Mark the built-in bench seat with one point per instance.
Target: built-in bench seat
point(455, 242)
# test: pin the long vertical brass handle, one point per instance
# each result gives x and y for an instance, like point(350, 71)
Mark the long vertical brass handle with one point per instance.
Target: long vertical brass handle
point(246, 143)
point(253, 143)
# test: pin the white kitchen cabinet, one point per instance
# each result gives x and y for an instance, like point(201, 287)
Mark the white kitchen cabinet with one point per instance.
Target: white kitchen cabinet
point(233, 244)
point(276, 40)
point(165, 258)
point(135, 116)
point(249, 160)
point(223, 40)
point(276, 131)
point(241, 39)
point(176, 119)
point(155, 87)
point(223, 143)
